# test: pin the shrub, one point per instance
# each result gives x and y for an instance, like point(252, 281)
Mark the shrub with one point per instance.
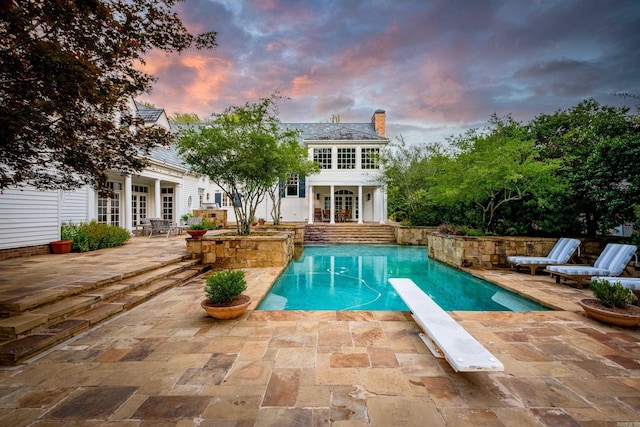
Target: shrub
point(458, 230)
point(209, 224)
point(612, 295)
point(93, 235)
point(197, 227)
point(224, 286)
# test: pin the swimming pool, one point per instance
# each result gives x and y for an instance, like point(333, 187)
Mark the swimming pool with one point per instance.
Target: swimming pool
point(355, 277)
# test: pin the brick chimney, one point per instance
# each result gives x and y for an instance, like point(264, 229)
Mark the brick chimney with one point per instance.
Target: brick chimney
point(378, 119)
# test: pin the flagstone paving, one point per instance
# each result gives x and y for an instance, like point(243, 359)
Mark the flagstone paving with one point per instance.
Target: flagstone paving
point(167, 363)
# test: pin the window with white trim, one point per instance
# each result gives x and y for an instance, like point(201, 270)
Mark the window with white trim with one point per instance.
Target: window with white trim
point(346, 158)
point(370, 158)
point(291, 186)
point(108, 211)
point(323, 157)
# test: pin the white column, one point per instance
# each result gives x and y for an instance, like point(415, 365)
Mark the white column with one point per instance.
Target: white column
point(333, 205)
point(383, 206)
point(178, 203)
point(91, 204)
point(128, 217)
point(310, 198)
point(156, 190)
point(360, 204)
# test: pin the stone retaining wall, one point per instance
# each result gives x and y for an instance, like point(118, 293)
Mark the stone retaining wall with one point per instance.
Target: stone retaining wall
point(415, 236)
point(492, 252)
point(233, 251)
point(484, 252)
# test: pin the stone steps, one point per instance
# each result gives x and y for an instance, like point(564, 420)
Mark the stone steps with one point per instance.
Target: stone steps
point(31, 331)
point(349, 233)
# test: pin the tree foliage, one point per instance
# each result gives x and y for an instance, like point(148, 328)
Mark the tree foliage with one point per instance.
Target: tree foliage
point(493, 170)
point(67, 73)
point(408, 174)
point(186, 118)
point(544, 177)
point(245, 152)
point(597, 146)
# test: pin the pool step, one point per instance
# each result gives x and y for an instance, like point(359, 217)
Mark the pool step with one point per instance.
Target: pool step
point(349, 233)
point(34, 328)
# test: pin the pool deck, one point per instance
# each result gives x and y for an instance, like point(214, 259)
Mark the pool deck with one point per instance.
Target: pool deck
point(167, 363)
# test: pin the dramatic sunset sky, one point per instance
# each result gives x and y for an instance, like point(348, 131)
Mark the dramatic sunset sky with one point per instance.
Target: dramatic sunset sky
point(437, 67)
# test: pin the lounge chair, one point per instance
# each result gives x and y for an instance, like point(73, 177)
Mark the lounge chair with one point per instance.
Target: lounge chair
point(632, 283)
point(560, 254)
point(611, 262)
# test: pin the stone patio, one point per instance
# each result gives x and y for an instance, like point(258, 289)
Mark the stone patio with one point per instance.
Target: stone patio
point(167, 363)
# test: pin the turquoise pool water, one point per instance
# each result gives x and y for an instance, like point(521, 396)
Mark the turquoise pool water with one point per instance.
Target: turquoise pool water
point(355, 277)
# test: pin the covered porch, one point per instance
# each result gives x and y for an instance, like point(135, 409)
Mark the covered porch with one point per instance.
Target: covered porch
point(334, 203)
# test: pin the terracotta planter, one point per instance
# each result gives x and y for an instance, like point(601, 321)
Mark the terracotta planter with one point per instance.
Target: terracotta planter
point(630, 316)
point(196, 234)
point(61, 246)
point(224, 312)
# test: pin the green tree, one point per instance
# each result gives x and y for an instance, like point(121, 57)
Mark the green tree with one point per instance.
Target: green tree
point(68, 70)
point(597, 146)
point(494, 169)
point(290, 160)
point(244, 152)
point(408, 171)
point(186, 118)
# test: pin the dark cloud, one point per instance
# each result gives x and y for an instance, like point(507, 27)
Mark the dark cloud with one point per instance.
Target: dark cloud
point(437, 67)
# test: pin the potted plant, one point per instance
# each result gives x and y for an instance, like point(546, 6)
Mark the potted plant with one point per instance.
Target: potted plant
point(185, 218)
point(224, 297)
point(68, 233)
point(612, 304)
point(261, 221)
point(197, 230)
point(61, 246)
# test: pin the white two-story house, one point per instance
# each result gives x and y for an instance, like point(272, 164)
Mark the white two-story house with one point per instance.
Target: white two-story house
point(166, 188)
point(348, 187)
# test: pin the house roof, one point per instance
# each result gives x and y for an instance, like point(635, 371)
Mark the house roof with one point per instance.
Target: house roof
point(149, 115)
point(317, 131)
point(309, 132)
point(336, 131)
point(168, 155)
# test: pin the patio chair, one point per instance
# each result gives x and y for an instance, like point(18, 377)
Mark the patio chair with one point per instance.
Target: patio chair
point(145, 225)
point(326, 215)
point(560, 254)
point(611, 262)
point(194, 221)
point(317, 214)
point(161, 226)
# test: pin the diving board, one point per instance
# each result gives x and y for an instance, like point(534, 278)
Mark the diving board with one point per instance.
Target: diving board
point(443, 335)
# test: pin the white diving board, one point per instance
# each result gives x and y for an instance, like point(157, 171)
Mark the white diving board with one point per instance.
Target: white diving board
point(443, 335)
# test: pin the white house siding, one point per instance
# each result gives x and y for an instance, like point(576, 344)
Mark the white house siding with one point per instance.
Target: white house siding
point(74, 207)
point(29, 217)
point(292, 209)
point(190, 189)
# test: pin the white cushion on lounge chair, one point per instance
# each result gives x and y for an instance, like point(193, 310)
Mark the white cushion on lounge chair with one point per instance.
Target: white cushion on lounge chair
point(632, 283)
point(611, 262)
point(560, 254)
